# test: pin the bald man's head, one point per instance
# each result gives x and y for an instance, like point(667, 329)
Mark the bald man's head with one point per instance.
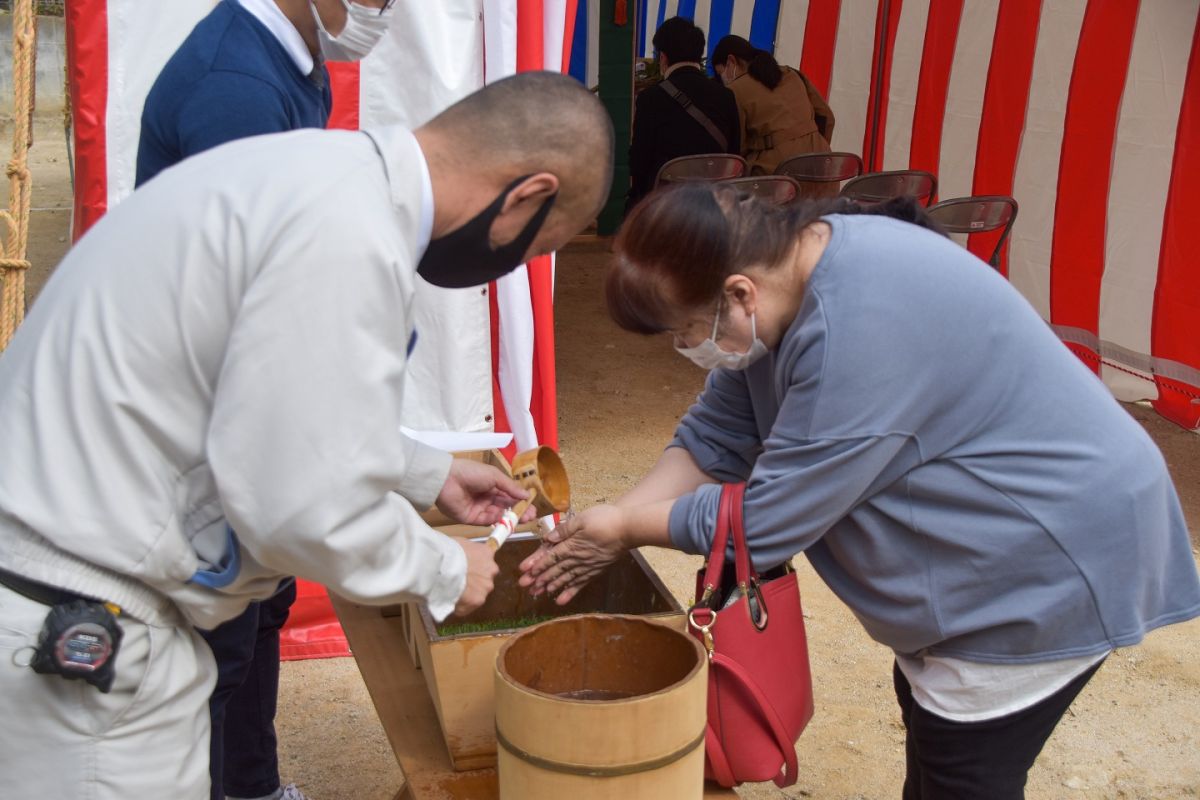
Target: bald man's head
point(529, 123)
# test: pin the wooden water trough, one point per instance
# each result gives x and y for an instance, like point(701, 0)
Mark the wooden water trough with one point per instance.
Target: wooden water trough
point(434, 691)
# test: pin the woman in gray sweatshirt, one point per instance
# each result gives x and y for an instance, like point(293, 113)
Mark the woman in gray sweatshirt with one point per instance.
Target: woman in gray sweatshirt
point(903, 417)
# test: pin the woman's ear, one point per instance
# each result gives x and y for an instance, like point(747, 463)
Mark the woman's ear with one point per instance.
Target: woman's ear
point(742, 291)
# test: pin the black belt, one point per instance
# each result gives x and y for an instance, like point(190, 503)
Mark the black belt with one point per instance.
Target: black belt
point(40, 592)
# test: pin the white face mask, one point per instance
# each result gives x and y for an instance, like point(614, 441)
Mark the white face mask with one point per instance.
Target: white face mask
point(709, 355)
point(729, 73)
point(364, 28)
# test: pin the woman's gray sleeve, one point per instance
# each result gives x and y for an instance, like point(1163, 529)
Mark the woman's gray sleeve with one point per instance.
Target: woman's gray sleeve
point(720, 430)
point(798, 491)
point(801, 483)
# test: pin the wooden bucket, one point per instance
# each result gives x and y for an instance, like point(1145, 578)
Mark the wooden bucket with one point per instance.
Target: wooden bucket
point(460, 667)
point(601, 706)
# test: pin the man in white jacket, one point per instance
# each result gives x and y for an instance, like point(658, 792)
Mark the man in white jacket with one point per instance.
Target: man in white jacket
point(225, 351)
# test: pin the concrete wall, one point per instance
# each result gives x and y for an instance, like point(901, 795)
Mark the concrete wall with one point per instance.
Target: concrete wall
point(51, 65)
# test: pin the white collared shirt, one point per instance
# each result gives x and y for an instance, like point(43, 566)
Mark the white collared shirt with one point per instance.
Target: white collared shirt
point(681, 65)
point(425, 221)
point(266, 12)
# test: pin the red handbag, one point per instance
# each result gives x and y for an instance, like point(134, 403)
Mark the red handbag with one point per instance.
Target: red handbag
point(759, 684)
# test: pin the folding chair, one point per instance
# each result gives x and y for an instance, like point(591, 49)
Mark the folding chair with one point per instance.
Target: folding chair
point(704, 167)
point(778, 190)
point(875, 187)
point(977, 214)
point(820, 174)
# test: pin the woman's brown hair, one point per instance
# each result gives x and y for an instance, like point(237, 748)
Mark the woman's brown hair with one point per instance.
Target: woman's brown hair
point(677, 247)
point(761, 65)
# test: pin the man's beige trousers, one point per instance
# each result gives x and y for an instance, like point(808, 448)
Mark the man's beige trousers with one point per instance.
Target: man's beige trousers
point(147, 739)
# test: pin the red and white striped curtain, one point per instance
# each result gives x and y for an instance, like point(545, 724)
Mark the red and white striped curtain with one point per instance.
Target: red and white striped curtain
point(486, 356)
point(520, 36)
point(1086, 111)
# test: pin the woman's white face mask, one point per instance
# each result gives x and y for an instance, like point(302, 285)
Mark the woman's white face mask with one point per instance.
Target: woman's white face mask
point(364, 28)
point(709, 355)
point(729, 72)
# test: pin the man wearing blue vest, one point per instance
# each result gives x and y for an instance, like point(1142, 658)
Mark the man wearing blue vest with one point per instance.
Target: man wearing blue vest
point(251, 67)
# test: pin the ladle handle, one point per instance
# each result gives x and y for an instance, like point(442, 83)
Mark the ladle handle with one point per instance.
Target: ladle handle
point(507, 524)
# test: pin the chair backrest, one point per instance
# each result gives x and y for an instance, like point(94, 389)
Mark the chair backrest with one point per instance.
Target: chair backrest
point(821, 167)
point(778, 190)
point(977, 214)
point(875, 187)
point(705, 167)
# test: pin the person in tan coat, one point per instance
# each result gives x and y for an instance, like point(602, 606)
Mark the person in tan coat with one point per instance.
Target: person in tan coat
point(781, 112)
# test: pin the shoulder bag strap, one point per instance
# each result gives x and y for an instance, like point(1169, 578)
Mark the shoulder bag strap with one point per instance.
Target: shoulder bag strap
point(679, 97)
point(787, 749)
point(718, 763)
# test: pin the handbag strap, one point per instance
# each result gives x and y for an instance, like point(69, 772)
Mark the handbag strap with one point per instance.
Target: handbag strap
point(741, 552)
point(747, 577)
point(678, 96)
point(787, 747)
point(718, 763)
point(730, 518)
point(716, 558)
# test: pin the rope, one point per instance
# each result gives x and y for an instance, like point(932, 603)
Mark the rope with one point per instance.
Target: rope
point(67, 122)
point(1088, 355)
point(13, 263)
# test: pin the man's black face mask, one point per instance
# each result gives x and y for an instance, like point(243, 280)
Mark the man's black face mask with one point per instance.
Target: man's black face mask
point(464, 257)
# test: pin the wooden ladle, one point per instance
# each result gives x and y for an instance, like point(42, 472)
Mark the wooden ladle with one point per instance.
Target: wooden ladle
point(541, 471)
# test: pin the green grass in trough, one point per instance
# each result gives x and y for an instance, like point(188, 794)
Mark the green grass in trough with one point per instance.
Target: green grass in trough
point(489, 626)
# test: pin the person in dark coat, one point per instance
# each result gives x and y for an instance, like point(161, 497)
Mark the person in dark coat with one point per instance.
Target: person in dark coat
point(663, 128)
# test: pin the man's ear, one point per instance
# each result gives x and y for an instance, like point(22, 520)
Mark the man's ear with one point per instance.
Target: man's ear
point(520, 205)
point(537, 188)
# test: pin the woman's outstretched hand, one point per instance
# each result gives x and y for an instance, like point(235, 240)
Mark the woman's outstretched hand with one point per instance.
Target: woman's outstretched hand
point(576, 551)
